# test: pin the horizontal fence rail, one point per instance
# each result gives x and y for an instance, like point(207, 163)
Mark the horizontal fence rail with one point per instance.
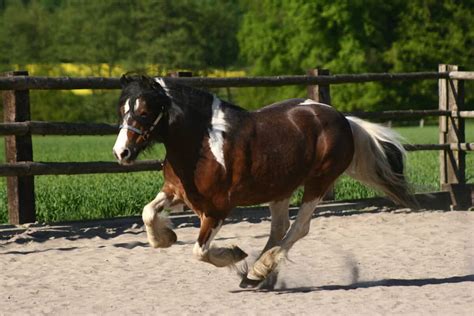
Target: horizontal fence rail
point(57, 168)
point(63, 128)
point(29, 168)
point(401, 114)
point(57, 128)
point(461, 75)
point(67, 83)
point(452, 146)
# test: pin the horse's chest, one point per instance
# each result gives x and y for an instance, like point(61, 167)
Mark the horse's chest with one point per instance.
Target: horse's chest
point(203, 187)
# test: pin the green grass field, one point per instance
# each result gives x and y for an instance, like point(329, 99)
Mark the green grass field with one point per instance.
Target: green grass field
point(61, 198)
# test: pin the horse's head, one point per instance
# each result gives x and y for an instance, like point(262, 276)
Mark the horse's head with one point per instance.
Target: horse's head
point(142, 108)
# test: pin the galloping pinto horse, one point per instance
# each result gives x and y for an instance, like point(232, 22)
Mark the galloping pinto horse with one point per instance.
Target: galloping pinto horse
point(219, 156)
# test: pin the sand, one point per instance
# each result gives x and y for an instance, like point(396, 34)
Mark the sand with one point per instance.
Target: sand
point(397, 262)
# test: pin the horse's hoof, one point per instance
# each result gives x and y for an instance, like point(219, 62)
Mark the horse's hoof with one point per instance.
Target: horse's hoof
point(169, 239)
point(247, 283)
point(165, 240)
point(238, 254)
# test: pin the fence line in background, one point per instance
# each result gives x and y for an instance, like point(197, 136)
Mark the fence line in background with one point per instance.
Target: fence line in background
point(20, 168)
point(62, 128)
point(30, 168)
point(24, 82)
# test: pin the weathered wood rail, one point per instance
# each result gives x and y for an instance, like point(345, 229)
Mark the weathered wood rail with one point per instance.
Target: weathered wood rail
point(25, 82)
point(20, 168)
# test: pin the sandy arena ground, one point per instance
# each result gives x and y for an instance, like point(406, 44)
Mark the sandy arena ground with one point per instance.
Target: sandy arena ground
point(415, 263)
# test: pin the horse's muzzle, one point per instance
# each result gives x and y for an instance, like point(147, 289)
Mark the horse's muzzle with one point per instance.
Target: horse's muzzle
point(125, 156)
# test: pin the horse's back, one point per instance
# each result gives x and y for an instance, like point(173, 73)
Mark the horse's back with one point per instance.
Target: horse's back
point(301, 118)
point(286, 109)
point(291, 141)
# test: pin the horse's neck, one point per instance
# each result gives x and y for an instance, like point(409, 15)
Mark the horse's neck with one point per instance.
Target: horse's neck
point(191, 125)
point(188, 124)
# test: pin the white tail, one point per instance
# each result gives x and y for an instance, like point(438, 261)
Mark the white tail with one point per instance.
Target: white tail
point(379, 159)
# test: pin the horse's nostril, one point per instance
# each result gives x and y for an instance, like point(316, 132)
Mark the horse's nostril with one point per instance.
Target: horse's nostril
point(125, 154)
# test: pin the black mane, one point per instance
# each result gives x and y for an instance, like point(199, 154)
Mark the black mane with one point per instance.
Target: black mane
point(185, 104)
point(198, 101)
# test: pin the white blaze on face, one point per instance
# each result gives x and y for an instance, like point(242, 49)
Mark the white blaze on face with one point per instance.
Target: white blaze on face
point(120, 146)
point(218, 127)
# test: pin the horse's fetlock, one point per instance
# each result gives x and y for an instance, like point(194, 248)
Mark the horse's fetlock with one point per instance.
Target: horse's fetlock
point(267, 263)
point(163, 238)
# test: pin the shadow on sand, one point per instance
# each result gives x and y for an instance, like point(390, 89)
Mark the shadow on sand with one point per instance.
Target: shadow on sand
point(73, 231)
point(365, 285)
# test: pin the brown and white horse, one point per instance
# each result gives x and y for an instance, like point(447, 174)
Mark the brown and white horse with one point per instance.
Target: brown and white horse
point(219, 156)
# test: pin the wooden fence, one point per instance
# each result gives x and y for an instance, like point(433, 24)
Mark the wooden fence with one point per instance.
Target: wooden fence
point(20, 168)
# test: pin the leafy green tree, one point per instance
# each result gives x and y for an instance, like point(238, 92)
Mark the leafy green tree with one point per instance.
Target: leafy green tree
point(272, 37)
point(94, 33)
point(24, 34)
point(429, 33)
point(183, 34)
point(180, 34)
point(288, 37)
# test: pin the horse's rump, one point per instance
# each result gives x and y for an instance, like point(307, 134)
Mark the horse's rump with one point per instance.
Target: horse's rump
point(290, 143)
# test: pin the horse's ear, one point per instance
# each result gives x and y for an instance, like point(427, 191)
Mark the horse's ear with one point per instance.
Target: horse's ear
point(145, 79)
point(125, 80)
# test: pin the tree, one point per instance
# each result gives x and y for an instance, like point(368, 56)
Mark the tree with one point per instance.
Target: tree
point(111, 35)
point(288, 37)
point(183, 34)
point(95, 33)
point(429, 33)
point(24, 34)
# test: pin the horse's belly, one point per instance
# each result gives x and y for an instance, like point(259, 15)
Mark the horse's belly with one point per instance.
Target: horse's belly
point(271, 176)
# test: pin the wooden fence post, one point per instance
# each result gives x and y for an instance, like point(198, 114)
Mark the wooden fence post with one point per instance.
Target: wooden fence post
point(321, 93)
point(20, 190)
point(451, 130)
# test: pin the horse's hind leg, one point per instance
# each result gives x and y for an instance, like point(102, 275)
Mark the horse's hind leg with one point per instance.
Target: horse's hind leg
point(280, 222)
point(157, 226)
point(218, 256)
point(268, 262)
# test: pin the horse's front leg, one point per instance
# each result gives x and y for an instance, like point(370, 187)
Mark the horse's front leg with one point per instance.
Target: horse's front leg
point(158, 227)
point(218, 256)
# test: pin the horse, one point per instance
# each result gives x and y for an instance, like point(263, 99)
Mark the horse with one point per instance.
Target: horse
point(220, 156)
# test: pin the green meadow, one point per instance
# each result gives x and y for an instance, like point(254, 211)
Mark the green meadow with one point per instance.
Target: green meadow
point(82, 197)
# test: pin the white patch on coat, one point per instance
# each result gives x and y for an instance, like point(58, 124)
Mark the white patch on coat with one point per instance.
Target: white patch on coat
point(199, 251)
point(122, 138)
point(162, 83)
point(216, 132)
point(309, 101)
